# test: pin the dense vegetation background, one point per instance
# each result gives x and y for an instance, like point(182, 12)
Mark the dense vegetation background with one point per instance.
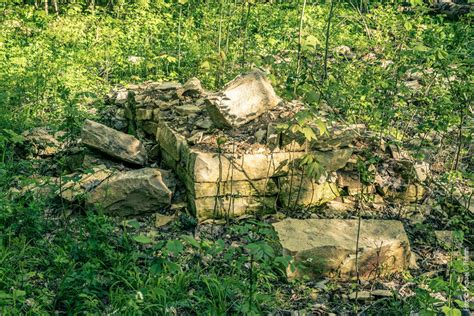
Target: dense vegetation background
point(395, 67)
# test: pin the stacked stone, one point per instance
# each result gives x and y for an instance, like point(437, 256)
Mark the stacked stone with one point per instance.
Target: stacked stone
point(225, 147)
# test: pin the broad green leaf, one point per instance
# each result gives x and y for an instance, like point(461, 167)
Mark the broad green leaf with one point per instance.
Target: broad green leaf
point(142, 239)
point(451, 311)
point(175, 247)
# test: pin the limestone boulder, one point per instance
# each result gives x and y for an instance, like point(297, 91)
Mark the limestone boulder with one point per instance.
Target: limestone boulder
point(327, 247)
point(243, 99)
point(230, 206)
point(211, 167)
point(113, 143)
point(301, 190)
point(76, 186)
point(260, 187)
point(193, 88)
point(134, 192)
point(170, 141)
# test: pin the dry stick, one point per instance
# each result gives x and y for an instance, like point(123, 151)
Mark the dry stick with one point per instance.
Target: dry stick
point(179, 35)
point(300, 187)
point(326, 48)
point(232, 201)
point(219, 39)
point(229, 15)
point(55, 5)
point(359, 219)
point(298, 62)
point(244, 49)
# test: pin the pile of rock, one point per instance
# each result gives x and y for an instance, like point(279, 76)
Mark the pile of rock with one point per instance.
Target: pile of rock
point(120, 190)
point(240, 151)
point(226, 147)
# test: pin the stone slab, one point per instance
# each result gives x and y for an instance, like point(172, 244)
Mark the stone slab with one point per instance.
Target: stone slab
point(303, 191)
point(243, 99)
point(134, 192)
point(211, 167)
point(327, 247)
point(261, 187)
point(222, 207)
point(113, 143)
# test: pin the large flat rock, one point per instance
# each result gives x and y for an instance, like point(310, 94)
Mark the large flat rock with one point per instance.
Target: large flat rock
point(134, 192)
point(243, 99)
point(261, 187)
point(301, 190)
point(113, 143)
point(230, 206)
point(328, 247)
point(211, 167)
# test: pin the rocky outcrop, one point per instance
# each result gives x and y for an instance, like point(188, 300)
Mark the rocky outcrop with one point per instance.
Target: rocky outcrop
point(245, 167)
point(113, 143)
point(327, 247)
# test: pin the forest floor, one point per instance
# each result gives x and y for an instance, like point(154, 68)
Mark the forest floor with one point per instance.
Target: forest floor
point(403, 73)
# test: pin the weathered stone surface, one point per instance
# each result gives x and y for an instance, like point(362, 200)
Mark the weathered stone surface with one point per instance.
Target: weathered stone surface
point(221, 207)
point(302, 191)
point(328, 247)
point(260, 187)
point(422, 170)
point(162, 220)
point(244, 99)
point(144, 114)
point(76, 186)
point(170, 141)
point(150, 128)
point(113, 143)
point(134, 192)
point(193, 87)
point(351, 183)
point(44, 143)
point(188, 109)
point(209, 167)
point(411, 194)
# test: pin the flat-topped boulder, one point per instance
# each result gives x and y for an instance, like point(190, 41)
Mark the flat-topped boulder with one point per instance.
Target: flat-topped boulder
point(230, 206)
point(299, 190)
point(243, 99)
point(209, 167)
point(327, 247)
point(113, 143)
point(134, 192)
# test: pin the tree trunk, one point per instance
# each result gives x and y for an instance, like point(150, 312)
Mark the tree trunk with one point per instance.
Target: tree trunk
point(56, 7)
point(46, 6)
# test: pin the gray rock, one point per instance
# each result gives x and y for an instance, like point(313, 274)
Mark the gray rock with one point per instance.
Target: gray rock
point(328, 247)
point(113, 143)
point(244, 99)
point(134, 192)
point(193, 87)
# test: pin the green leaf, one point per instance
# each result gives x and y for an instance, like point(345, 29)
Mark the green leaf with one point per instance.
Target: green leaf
point(132, 223)
point(421, 48)
point(142, 239)
point(205, 65)
point(309, 133)
point(321, 125)
point(190, 240)
point(175, 247)
point(450, 311)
